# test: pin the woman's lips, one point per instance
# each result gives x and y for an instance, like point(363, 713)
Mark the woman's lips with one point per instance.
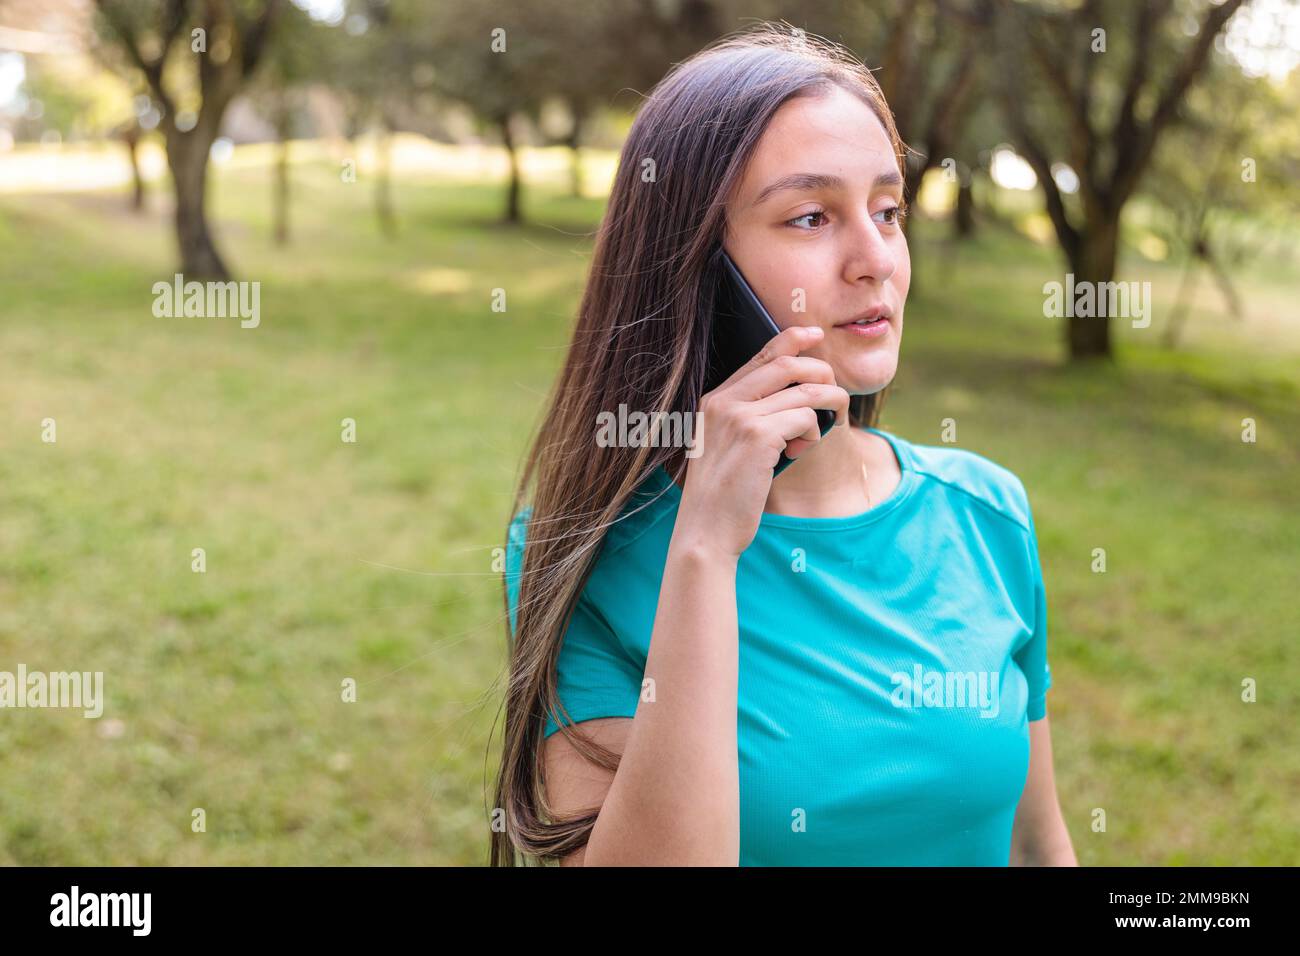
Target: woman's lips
point(869, 329)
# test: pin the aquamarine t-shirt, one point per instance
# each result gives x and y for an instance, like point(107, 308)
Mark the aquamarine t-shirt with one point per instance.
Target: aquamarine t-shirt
point(890, 662)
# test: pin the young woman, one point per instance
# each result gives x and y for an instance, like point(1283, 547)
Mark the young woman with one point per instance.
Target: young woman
point(844, 665)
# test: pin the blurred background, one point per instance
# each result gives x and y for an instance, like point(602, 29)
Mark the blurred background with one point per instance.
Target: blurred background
point(415, 187)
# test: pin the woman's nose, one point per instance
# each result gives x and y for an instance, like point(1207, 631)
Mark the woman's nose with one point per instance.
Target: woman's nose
point(869, 255)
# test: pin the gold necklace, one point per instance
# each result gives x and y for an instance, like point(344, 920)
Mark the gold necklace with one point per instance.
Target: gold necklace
point(866, 487)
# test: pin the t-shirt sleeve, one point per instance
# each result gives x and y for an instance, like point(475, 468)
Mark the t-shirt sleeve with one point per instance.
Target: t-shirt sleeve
point(514, 562)
point(595, 676)
point(1032, 656)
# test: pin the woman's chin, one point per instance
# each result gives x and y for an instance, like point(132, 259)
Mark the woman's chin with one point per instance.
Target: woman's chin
point(867, 378)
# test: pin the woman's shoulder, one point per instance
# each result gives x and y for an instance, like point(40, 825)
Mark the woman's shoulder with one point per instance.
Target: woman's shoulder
point(974, 476)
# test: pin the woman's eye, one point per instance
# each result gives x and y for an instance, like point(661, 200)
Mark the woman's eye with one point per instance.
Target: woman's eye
point(807, 215)
point(893, 214)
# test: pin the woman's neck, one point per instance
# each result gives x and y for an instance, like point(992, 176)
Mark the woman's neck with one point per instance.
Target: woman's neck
point(848, 472)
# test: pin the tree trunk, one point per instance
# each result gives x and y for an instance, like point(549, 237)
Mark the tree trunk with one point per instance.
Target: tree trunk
point(914, 170)
point(1175, 324)
point(280, 202)
point(131, 137)
point(1220, 274)
point(1094, 261)
point(575, 156)
point(383, 184)
point(964, 217)
point(512, 191)
point(187, 156)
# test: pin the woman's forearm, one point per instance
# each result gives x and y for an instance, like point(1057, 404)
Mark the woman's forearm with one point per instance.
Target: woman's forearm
point(675, 799)
point(1052, 848)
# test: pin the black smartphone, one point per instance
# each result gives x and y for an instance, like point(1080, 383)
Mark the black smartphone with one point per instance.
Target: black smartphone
point(741, 327)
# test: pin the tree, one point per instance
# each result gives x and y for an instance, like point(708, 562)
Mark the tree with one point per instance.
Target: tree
point(375, 64)
point(1106, 133)
point(930, 59)
point(628, 44)
point(227, 38)
point(929, 72)
point(130, 132)
point(504, 64)
point(292, 62)
point(1224, 182)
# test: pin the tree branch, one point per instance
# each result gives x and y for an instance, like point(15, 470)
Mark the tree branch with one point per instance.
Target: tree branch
point(1050, 62)
point(1125, 133)
point(895, 72)
point(172, 20)
point(1037, 158)
point(1013, 109)
point(254, 36)
point(1089, 15)
point(950, 103)
point(173, 23)
point(1143, 143)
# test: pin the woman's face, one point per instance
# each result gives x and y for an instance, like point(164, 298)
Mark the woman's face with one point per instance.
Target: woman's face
point(813, 226)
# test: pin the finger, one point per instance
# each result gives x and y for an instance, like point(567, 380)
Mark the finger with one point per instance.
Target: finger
point(795, 423)
point(782, 371)
point(808, 394)
point(798, 446)
point(804, 440)
point(814, 396)
point(789, 341)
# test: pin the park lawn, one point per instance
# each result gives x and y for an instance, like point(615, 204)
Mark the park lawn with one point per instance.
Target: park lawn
point(374, 560)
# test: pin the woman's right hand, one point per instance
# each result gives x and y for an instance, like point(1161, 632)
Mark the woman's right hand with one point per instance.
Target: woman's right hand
point(741, 429)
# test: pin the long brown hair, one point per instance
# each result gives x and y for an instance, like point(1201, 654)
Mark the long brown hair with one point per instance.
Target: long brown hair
point(641, 339)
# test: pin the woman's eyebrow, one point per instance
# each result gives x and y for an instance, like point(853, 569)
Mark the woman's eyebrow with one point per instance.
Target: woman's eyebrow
point(820, 181)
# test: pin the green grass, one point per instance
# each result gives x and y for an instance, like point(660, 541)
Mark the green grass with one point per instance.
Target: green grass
point(373, 560)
